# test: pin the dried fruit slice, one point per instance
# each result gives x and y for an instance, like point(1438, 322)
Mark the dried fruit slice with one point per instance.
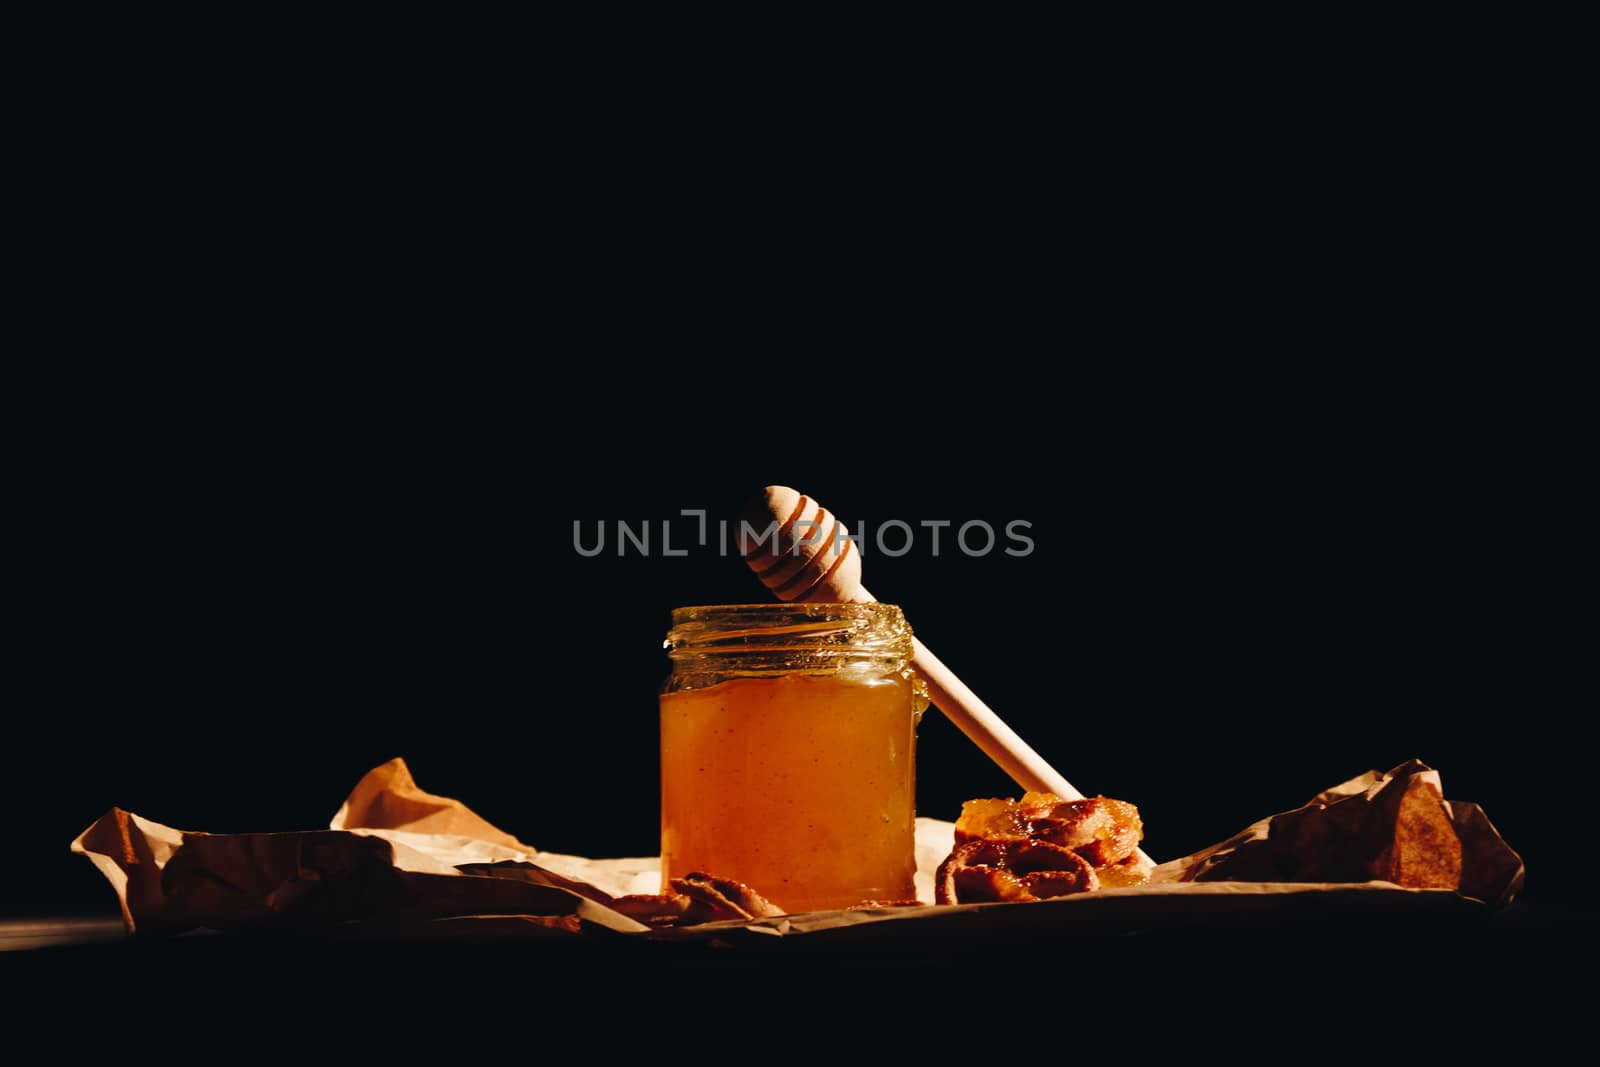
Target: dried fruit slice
point(1046, 884)
point(986, 870)
point(983, 885)
point(999, 817)
point(1102, 830)
point(1135, 870)
point(722, 898)
point(1105, 831)
point(696, 898)
point(1101, 834)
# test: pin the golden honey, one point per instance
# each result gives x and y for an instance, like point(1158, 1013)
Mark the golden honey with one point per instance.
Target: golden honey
point(788, 752)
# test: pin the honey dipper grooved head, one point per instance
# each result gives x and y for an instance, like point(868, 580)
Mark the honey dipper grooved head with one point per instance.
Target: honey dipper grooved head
point(798, 549)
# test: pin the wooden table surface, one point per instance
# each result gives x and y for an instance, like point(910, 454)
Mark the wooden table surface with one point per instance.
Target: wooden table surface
point(20, 934)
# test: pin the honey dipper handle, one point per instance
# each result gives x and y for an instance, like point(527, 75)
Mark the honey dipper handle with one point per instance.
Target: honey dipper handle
point(986, 729)
point(979, 722)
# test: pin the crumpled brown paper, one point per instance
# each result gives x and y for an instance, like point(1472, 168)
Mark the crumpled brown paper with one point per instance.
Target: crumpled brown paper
point(399, 861)
point(373, 865)
point(1395, 827)
point(388, 798)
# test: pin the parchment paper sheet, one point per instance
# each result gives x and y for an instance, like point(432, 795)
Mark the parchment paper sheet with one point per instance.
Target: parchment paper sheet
point(399, 861)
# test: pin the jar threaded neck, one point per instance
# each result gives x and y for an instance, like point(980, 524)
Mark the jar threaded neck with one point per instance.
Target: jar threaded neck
point(757, 639)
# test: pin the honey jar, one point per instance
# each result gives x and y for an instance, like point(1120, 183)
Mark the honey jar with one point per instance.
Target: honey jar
point(788, 751)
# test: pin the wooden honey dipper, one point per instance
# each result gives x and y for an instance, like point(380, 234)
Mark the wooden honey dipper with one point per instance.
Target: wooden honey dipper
point(810, 559)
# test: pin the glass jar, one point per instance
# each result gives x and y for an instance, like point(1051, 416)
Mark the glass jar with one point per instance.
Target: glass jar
point(788, 751)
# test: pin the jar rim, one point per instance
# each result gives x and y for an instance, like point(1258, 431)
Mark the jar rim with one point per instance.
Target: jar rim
point(790, 633)
point(838, 608)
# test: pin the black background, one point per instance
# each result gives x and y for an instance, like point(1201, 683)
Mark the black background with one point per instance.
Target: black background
point(1243, 589)
point(1274, 396)
point(317, 362)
